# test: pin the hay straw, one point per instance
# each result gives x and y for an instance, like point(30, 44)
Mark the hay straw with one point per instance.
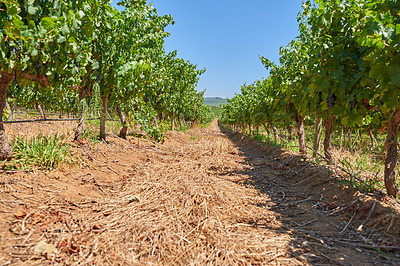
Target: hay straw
point(185, 215)
point(198, 199)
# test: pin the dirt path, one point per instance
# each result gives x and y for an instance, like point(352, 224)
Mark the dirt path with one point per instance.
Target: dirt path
point(203, 197)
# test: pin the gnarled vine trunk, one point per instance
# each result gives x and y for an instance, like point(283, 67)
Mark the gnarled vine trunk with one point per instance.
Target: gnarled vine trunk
point(5, 80)
point(349, 138)
point(371, 136)
point(329, 120)
point(42, 114)
point(300, 133)
point(317, 135)
point(155, 121)
point(275, 131)
point(290, 132)
point(80, 129)
point(103, 116)
point(84, 92)
point(266, 128)
point(5, 148)
point(172, 121)
point(195, 122)
point(179, 121)
point(124, 130)
point(391, 157)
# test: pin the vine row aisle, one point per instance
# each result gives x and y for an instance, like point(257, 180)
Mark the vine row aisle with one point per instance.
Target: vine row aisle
point(203, 197)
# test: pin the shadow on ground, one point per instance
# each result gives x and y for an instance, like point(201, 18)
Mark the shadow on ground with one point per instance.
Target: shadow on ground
point(329, 222)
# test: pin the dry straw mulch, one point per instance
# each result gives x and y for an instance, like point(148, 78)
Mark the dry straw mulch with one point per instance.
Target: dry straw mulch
point(202, 198)
point(175, 211)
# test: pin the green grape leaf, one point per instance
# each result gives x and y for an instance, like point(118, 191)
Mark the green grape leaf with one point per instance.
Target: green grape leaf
point(12, 10)
point(61, 39)
point(394, 71)
point(32, 10)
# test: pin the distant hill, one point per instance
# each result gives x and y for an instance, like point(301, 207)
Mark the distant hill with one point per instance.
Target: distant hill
point(215, 101)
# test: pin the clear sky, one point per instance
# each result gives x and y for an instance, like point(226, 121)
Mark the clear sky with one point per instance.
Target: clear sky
point(226, 37)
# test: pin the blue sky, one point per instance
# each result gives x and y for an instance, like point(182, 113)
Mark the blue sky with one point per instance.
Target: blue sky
point(226, 37)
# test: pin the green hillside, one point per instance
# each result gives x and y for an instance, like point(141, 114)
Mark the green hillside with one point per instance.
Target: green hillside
point(214, 101)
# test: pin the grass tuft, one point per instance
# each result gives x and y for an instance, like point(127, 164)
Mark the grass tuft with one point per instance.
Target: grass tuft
point(40, 152)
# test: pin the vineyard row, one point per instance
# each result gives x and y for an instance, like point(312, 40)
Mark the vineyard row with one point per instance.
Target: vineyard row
point(87, 57)
point(342, 71)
